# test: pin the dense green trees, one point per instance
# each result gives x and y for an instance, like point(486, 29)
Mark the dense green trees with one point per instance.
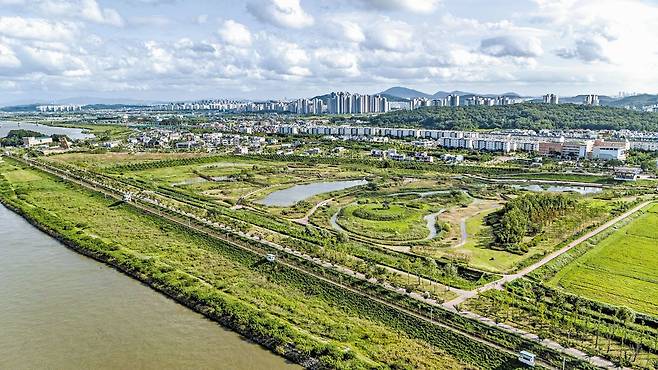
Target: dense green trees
point(15, 137)
point(521, 116)
point(527, 215)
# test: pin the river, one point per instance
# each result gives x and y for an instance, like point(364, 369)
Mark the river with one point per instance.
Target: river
point(61, 310)
point(72, 133)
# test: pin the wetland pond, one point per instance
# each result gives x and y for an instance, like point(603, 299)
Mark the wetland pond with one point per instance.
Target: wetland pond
point(584, 190)
point(288, 197)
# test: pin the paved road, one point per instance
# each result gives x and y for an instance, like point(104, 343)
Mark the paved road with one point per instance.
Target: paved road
point(498, 284)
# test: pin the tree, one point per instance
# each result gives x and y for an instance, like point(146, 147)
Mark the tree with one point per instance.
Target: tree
point(405, 265)
point(450, 272)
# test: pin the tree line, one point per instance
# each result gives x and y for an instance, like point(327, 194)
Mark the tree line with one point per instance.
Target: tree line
point(520, 116)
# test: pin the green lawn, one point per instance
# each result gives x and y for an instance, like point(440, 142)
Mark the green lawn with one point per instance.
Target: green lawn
point(392, 222)
point(477, 248)
point(622, 269)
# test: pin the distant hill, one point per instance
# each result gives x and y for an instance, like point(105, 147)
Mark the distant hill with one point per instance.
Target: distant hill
point(83, 100)
point(20, 108)
point(405, 93)
point(636, 101)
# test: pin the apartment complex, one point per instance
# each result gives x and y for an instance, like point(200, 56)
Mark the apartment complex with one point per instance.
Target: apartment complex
point(345, 103)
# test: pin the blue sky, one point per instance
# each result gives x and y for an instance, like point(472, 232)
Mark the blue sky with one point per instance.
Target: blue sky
point(181, 50)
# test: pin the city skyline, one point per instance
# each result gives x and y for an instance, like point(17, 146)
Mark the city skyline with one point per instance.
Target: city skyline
point(167, 50)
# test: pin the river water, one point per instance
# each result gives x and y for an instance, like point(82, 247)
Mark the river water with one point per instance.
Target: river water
point(61, 310)
point(72, 133)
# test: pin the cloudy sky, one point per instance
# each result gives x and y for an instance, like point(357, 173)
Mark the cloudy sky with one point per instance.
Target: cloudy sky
point(179, 50)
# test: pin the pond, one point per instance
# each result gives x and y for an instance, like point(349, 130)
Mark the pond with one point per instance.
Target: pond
point(584, 190)
point(72, 133)
point(288, 197)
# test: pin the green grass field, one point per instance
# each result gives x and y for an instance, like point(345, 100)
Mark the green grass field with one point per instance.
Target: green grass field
point(202, 267)
point(373, 220)
point(622, 269)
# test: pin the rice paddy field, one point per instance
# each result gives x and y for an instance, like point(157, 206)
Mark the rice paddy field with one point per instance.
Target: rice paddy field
point(622, 269)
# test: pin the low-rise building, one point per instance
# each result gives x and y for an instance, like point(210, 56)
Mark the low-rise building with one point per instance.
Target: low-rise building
point(32, 141)
point(549, 148)
point(577, 149)
point(610, 150)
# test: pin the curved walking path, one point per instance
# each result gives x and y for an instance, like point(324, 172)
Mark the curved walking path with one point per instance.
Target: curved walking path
point(304, 220)
point(498, 284)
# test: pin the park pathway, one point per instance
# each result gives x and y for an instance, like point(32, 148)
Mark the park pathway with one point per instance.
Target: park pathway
point(498, 284)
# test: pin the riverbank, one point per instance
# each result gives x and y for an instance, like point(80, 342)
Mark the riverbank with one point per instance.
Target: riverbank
point(194, 304)
point(62, 310)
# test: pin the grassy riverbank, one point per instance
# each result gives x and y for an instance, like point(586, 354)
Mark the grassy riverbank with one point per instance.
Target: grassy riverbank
point(266, 302)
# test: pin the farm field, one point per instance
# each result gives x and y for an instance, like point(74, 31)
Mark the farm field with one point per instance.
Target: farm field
point(622, 269)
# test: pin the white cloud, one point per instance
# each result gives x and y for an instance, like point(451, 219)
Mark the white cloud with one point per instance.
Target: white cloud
point(416, 6)
point(52, 62)
point(284, 58)
point(345, 29)
point(36, 29)
point(90, 10)
point(281, 13)
point(512, 45)
point(202, 19)
point(161, 60)
point(8, 58)
point(86, 10)
point(235, 33)
point(389, 35)
point(592, 49)
point(150, 21)
point(51, 45)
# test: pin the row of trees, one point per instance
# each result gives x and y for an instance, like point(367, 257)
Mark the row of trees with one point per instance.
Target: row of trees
point(521, 116)
point(527, 215)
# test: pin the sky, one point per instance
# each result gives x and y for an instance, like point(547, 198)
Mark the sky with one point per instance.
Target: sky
point(164, 50)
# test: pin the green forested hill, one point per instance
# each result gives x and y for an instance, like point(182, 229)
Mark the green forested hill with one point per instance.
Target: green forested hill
point(521, 116)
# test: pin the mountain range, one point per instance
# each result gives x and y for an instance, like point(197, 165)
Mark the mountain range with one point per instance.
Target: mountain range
point(400, 93)
point(406, 93)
